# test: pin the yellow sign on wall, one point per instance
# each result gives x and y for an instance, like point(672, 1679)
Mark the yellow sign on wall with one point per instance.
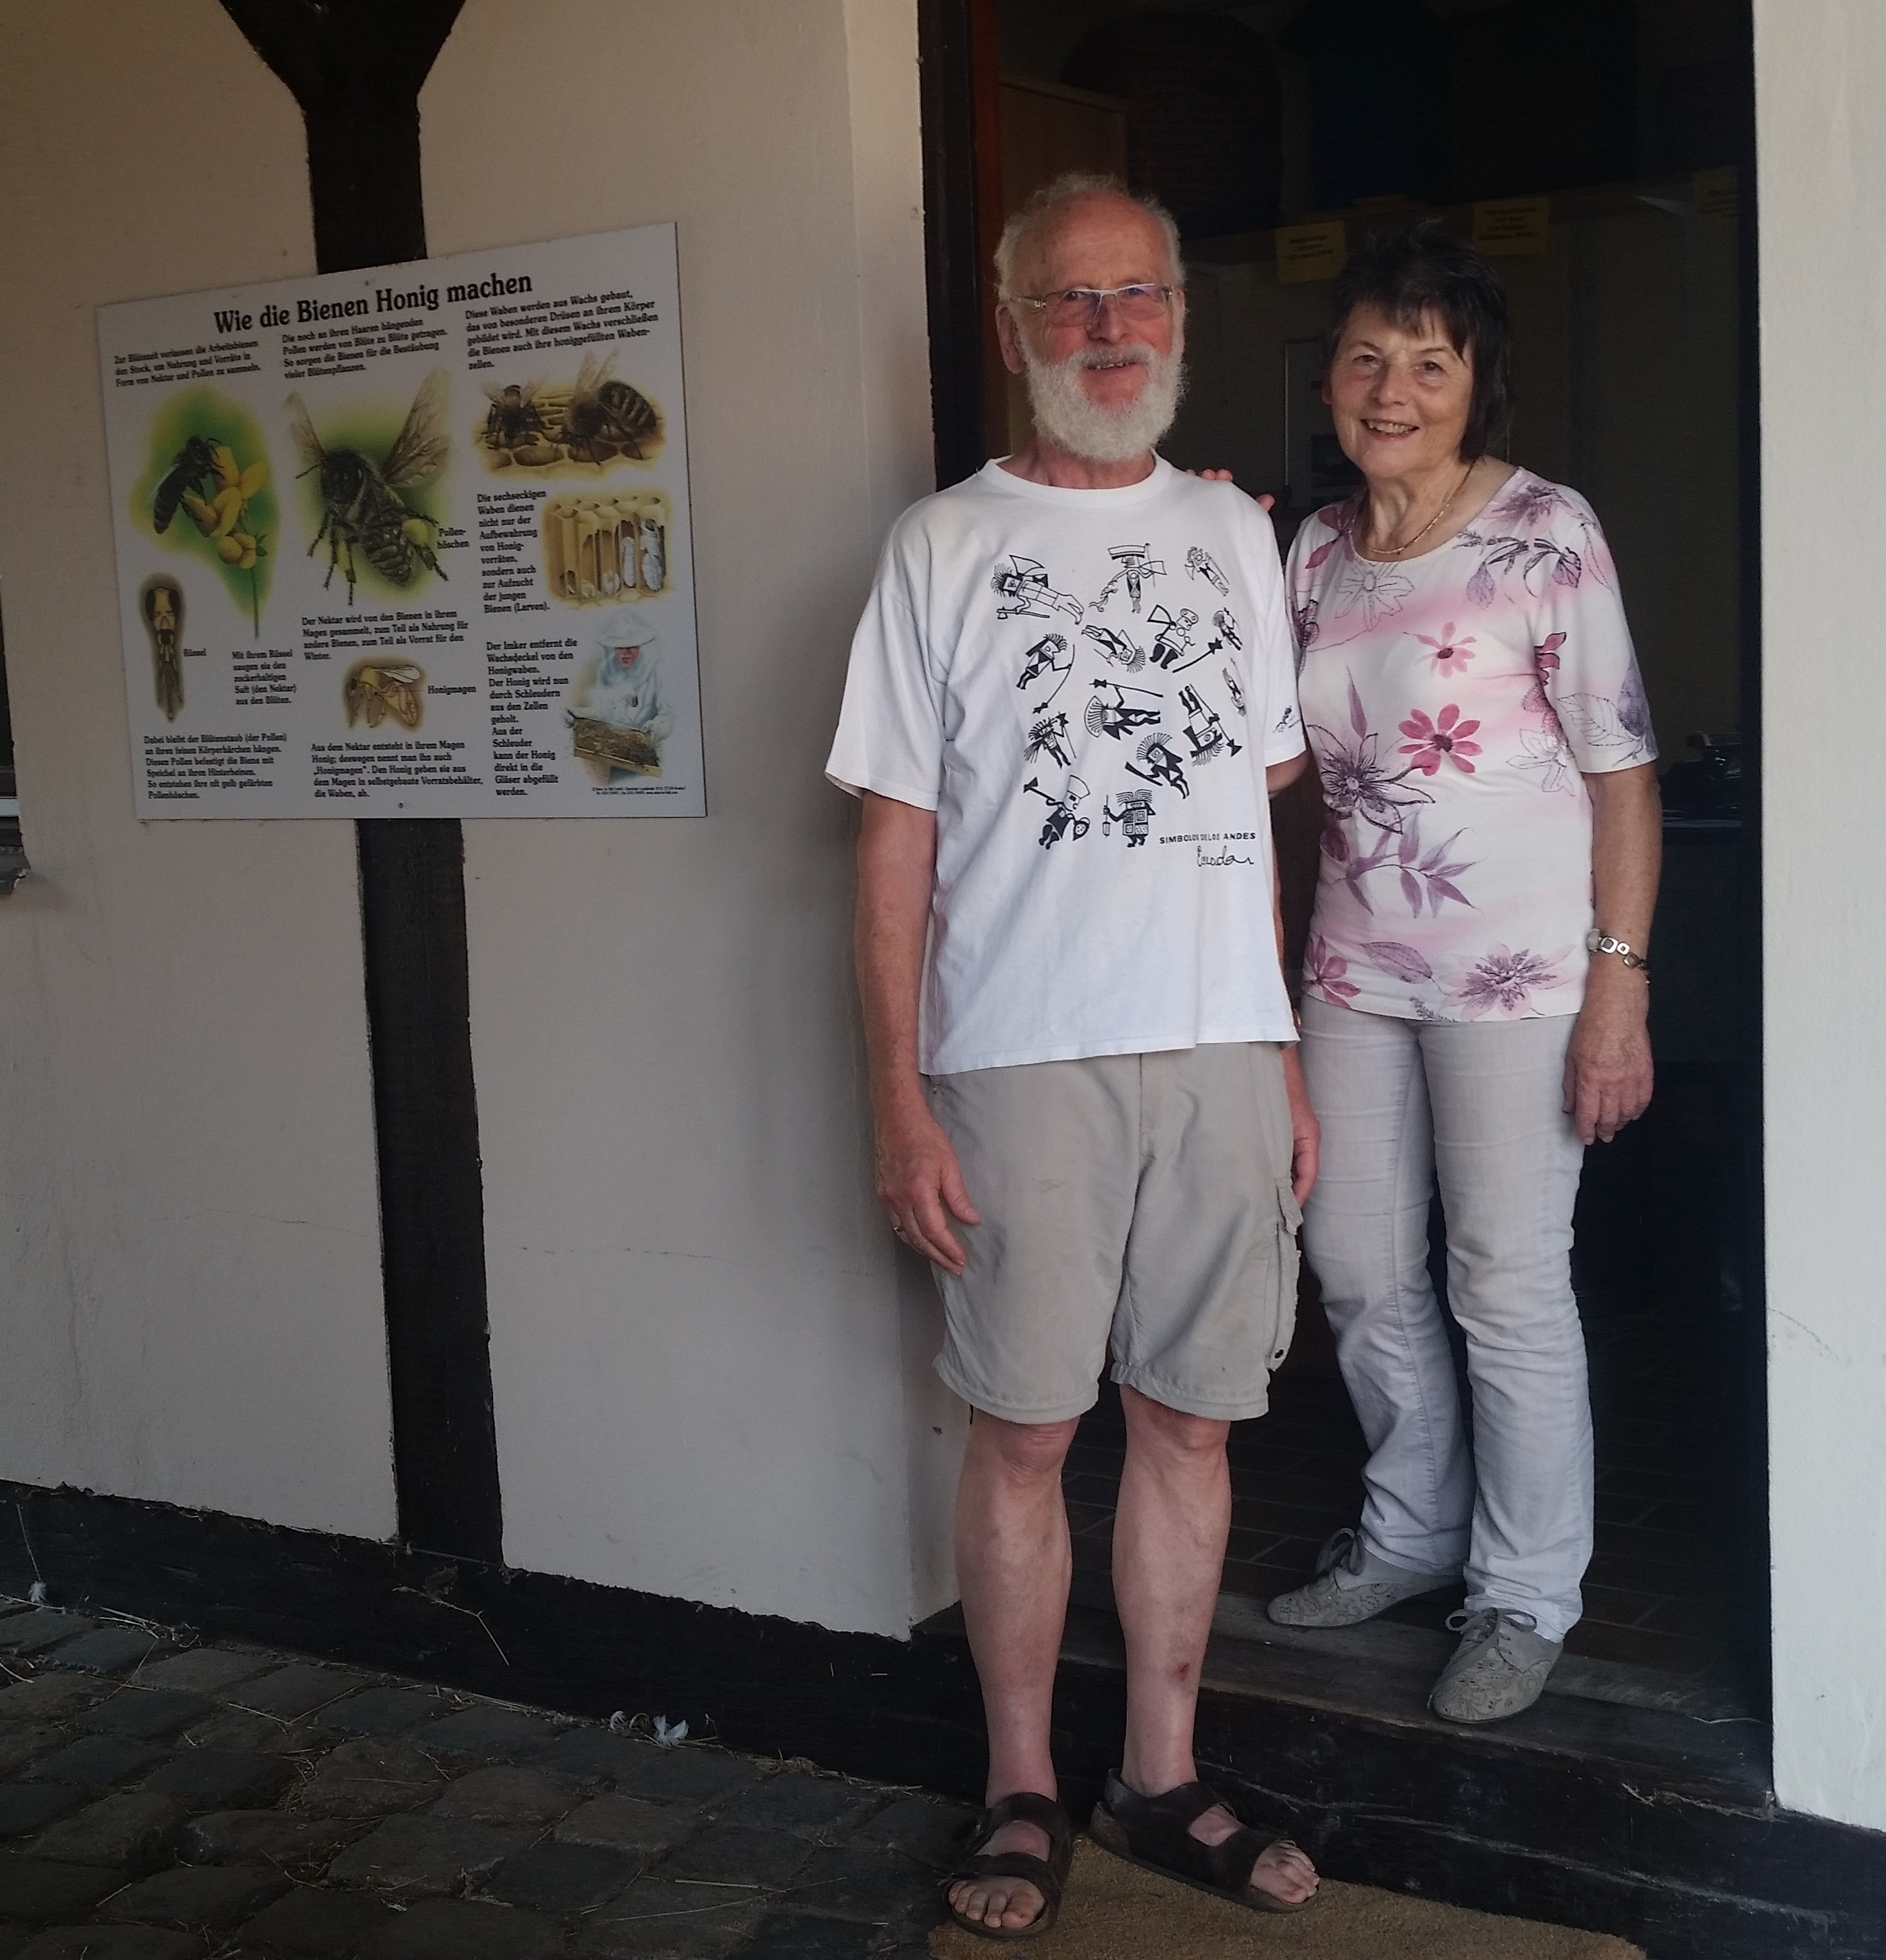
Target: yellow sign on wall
point(1512, 228)
point(1307, 252)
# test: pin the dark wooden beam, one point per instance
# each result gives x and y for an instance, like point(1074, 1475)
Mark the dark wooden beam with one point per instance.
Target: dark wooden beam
point(356, 67)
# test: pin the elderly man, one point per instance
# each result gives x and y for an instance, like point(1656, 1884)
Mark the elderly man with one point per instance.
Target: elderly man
point(1069, 694)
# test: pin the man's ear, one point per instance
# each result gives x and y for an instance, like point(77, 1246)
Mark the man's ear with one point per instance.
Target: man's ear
point(1008, 336)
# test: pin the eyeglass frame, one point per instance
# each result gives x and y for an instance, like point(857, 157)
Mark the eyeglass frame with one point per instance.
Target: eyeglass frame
point(1099, 295)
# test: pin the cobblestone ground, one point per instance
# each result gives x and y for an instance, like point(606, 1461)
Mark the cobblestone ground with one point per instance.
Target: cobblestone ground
point(164, 1801)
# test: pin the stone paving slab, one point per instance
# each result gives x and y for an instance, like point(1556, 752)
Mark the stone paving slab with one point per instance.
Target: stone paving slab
point(40, 1630)
point(108, 1650)
point(146, 1712)
point(134, 1831)
point(204, 1670)
point(454, 1930)
point(37, 1890)
point(98, 1761)
point(27, 1807)
point(320, 1925)
point(228, 1804)
point(189, 1896)
point(296, 1690)
point(113, 1942)
point(418, 1857)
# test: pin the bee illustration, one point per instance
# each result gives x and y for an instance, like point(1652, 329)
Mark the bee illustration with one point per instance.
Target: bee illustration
point(361, 506)
point(376, 688)
point(161, 603)
point(193, 468)
point(605, 413)
point(514, 417)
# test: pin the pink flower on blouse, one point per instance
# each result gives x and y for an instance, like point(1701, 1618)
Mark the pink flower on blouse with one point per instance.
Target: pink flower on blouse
point(1322, 971)
point(1446, 737)
point(1451, 655)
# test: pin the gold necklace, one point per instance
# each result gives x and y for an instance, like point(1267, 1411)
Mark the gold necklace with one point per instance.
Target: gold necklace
point(1401, 551)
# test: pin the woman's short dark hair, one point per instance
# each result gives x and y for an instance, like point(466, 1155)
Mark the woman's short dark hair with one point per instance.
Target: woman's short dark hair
point(1414, 270)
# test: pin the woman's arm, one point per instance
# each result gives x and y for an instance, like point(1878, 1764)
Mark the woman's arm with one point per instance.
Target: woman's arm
point(1607, 1070)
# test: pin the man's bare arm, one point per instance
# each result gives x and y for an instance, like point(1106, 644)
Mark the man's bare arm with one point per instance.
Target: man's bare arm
point(920, 1182)
point(1306, 1133)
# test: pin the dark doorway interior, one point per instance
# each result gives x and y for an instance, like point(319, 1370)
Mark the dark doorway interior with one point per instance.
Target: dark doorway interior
point(1632, 311)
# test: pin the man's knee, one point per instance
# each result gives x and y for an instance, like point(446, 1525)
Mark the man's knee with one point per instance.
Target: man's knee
point(1023, 1450)
point(1172, 1432)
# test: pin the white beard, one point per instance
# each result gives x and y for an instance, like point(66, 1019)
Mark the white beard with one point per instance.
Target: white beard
point(1070, 418)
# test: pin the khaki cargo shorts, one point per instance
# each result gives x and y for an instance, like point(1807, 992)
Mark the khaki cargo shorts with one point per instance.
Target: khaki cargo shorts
point(1136, 1203)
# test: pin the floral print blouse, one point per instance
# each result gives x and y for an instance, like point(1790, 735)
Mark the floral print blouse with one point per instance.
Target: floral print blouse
point(1454, 702)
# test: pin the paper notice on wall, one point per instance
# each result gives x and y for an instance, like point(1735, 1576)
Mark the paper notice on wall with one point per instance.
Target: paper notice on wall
point(1512, 228)
point(1307, 251)
point(411, 541)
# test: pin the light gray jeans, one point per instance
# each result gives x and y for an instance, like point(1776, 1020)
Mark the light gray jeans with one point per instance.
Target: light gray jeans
point(1475, 1106)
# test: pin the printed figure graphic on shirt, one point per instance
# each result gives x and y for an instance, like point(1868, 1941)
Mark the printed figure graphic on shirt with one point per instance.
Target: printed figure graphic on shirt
point(1132, 810)
point(1023, 584)
point(1048, 737)
point(1116, 717)
point(1208, 735)
point(1049, 655)
point(1061, 820)
point(1228, 627)
point(1200, 564)
point(1116, 646)
point(1174, 643)
point(1162, 765)
point(1137, 569)
point(1236, 692)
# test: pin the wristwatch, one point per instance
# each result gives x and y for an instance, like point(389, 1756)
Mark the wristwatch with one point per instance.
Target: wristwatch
point(1602, 942)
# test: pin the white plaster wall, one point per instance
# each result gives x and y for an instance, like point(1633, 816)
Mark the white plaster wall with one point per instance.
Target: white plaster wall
point(1820, 69)
point(709, 1371)
point(190, 1306)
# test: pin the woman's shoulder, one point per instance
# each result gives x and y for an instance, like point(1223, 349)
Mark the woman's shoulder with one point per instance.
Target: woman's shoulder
point(1529, 505)
point(1320, 533)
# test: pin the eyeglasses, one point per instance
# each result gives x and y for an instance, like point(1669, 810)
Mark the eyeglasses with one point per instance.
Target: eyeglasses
point(1080, 305)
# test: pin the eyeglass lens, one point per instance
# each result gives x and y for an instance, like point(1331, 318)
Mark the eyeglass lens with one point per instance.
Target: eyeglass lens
point(1078, 305)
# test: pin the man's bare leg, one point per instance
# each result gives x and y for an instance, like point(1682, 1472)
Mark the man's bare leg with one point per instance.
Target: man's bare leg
point(1013, 1563)
point(1169, 1537)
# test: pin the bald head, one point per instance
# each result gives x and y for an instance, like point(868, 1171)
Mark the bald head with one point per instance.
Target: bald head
point(1061, 235)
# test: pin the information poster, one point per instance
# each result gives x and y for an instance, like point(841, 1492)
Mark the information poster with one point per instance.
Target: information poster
point(411, 541)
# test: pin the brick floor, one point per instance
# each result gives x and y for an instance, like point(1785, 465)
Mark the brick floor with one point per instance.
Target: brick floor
point(165, 1800)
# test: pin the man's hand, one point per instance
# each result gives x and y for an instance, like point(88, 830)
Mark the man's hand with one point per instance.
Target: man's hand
point(1306, 1133)
point(1608, 1075)
point(920, 1184)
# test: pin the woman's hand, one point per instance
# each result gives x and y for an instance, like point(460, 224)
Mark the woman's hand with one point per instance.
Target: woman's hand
point(1608, 1075)
point(1266, 502)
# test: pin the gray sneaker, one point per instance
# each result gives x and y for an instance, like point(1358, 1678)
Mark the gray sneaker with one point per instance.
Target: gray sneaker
point(1498, 1669)
point(1352, 1585)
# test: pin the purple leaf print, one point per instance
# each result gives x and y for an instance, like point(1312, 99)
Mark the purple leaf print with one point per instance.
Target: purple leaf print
point(1633, 710)
point(1570, 569)
point(1411, 891)
point(1357, 720)
point(1440, 888)
point(1403, 961)
point(1410, 842)
point(1319, 557)
point(1480, 588)
point(1596, 719)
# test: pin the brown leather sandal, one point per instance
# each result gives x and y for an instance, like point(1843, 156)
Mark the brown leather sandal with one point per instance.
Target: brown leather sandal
point(1155, 1833)
point(1048, 1875)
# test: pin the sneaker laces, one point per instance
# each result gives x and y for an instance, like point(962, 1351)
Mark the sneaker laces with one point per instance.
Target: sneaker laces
point(1343, 1550)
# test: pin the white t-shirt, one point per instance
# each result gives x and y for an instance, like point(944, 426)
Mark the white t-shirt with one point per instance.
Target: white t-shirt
point(1086, 686)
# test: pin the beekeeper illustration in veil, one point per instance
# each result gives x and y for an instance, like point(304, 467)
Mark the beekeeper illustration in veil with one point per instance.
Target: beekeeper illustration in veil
point(626, 716)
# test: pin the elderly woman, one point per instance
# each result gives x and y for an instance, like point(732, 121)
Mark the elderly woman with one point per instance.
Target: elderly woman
point(1476, 989)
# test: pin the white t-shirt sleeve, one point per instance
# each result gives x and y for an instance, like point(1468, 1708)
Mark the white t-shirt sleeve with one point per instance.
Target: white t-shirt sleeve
point(1273, 649)
point(889, 738)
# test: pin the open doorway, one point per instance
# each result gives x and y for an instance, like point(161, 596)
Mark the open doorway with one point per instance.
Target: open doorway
point(1602, 149)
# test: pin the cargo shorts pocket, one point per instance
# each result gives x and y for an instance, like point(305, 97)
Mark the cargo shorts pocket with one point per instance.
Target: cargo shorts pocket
point(1285, 1269)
